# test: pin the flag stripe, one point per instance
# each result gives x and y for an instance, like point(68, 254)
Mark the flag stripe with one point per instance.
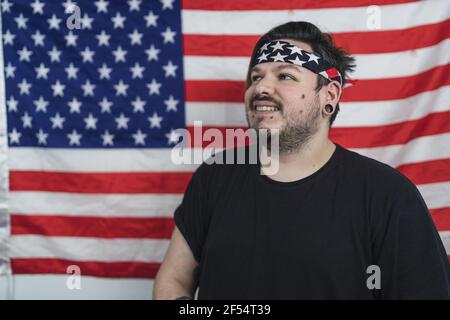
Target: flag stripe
point(88, 268)
point(427, 172)
point(441, 218)
point(124, 227)
point(389, 65)
point(363, 90)
point(106, 183)
point(281, 5)
point(372, 42)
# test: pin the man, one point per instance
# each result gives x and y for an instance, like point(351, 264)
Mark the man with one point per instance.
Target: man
point(330, 224)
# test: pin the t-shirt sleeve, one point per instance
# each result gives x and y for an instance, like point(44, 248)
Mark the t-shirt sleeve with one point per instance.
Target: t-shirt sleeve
point(192, 215)
point(409, 251)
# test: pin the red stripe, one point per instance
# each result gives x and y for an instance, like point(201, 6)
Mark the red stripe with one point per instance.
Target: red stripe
point(399, 133)
point(355, 42)
point(88, 268)
point(281, 5)
point(428, 171)
point(362, 137)
point(100, 183)
point(441, 218)
point(363, 90)
point(110, 227)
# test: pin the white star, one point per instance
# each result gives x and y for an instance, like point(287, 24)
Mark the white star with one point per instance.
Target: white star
point(135, 37)
point(121, 88)
point(169, 35)
point(134, 5)
point(26, 120)
point(137, 71)
point(24, 54)
point(9, 70)
point(38, 38)
point(107, 138)
point(122, 122)
point(6, 6)
point(14, 136)
point(71, 71)
point(167, 4)
point(171, 104)
point(54, 54)
point(38, 7)
point(87, 54)
point(155, 120)
point(152, 53)
point(103, 39)
point(74, 105)
point(105, 105)
point(170, 69)
point(41, 104)
point(24, 87)
point(278, 46)
point(57, 121)
point(138, 105)
point(104, 71)
point(264, 47)
point(21, 21)
point(74, 138)
point(91, 122)
point(312, 57)
point(42, 137)
point(119, 54)
point(262, 57)
point(101, 6)
point(68, 5)
point(153, 87)
point(172, 137)
point(151, 19)
point(8, 38)
point(118, 21)
point(86, 22)
point(279, 57)
point(88, 88)
point(12, 104)
point(295, 49)
point(297, 61)
point(139, 137)
point(58, 89)
point(54, 22)
point(71, 39)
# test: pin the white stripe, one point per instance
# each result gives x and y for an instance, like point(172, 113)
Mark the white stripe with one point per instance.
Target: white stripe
point(53, 287)
point(435, 194)
point(88, 160)
point(351, 114)
point(445, 236)
point(368, 66)
point(89, 249)
point(257, 22)
point(417, 150)
point(93, 205)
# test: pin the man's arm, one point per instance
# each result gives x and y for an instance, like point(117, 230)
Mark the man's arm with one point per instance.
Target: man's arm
point(175, 277)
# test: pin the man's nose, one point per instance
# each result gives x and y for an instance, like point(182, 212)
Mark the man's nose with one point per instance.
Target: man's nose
point(264, 87)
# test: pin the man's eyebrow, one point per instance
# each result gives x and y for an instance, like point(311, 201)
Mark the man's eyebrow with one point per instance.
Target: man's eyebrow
point(280, 67)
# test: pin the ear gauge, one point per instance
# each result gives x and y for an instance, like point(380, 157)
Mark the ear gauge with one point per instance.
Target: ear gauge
point(329, 108)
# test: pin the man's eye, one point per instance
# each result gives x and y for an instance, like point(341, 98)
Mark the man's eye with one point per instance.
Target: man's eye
point(286, 77)
point(256, 78)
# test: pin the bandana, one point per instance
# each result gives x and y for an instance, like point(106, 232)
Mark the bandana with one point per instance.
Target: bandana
point(282, 51)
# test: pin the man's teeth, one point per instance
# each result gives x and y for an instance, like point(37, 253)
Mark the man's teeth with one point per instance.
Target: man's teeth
point(266, 108)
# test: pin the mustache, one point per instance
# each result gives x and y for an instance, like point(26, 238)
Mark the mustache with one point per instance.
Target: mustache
point(259, 97)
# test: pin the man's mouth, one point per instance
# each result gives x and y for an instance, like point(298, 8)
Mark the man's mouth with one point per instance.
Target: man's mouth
point(265, 108)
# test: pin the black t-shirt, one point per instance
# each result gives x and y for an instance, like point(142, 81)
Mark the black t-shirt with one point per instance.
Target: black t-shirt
point(256, 238)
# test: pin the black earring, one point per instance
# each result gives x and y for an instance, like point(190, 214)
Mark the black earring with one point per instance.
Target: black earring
point(329, 108)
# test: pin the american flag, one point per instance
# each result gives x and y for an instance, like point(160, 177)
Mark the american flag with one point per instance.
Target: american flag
point(91, 111)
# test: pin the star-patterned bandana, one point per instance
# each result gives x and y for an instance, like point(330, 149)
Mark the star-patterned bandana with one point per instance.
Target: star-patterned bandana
point(282, 51)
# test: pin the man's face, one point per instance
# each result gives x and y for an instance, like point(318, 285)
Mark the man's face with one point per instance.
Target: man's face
point(283, 96)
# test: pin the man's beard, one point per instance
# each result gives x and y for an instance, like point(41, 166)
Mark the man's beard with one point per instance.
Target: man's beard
point(296, 132)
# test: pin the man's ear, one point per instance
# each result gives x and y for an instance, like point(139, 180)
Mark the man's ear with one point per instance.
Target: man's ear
point(333, 93)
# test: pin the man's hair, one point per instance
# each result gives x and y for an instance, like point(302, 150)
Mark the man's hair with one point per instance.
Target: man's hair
point(321, 43)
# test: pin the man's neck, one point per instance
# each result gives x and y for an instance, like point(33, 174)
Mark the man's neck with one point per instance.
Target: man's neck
point(305, 161)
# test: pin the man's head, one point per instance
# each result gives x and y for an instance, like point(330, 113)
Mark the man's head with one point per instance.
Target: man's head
point(292, 94)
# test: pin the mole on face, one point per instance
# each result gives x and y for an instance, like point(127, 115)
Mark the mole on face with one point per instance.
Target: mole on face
point(303, 96)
